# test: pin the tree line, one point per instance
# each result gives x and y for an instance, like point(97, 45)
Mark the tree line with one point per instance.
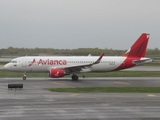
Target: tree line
point(11, 51)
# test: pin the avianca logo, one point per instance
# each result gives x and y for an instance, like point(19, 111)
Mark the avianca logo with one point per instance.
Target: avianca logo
point(57, 74)
point(34, 60)
point(49, 62)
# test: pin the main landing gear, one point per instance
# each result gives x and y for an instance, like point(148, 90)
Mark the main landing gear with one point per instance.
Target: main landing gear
point(75, 77)
point(24, 76)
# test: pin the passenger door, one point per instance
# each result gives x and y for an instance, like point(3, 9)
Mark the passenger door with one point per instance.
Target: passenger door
point(24, 62)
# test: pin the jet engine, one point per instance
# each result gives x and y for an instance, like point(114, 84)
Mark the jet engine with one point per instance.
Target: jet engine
point(56, 73)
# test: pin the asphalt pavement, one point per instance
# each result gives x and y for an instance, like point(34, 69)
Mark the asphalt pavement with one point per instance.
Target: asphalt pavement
point(33, 102)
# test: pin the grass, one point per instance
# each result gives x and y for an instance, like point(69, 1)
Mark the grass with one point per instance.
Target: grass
point(125, 74)
point(152, 64)
point(5, 73)
point(3, 63)
point(108, 89)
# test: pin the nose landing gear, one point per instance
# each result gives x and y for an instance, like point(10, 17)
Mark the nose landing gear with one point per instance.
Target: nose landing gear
point(24, 76)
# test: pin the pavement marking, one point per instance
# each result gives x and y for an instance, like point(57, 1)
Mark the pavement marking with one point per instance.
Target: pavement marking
point(58, 83)
point(73, 94)
point(125, 83)
point(150, 95)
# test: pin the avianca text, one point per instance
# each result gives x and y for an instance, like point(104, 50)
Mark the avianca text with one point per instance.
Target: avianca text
point(52, 62)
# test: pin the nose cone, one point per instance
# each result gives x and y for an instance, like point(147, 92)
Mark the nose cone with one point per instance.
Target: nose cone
point(6, 67)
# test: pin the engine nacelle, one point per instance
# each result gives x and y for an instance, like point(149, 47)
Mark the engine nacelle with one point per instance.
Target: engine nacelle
point(56, 73)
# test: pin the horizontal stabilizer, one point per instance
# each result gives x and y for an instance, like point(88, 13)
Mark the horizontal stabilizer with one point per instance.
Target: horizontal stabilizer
point(142, 61)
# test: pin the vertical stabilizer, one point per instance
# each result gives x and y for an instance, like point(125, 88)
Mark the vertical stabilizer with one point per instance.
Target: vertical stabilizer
point(138, 49)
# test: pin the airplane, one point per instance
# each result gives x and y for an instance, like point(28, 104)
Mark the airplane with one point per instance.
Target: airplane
point(59, 66)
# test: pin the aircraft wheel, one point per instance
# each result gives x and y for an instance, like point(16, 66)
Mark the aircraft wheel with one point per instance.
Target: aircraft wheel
point(74, 77)
point(24, 78)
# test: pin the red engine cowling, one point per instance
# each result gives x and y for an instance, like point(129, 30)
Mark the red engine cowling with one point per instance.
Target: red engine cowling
point(56, 73)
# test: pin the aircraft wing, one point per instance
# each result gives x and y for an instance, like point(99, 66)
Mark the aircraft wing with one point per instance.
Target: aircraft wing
point(78, 68)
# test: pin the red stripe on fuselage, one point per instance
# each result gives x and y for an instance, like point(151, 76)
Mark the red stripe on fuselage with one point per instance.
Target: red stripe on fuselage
point(127, 63)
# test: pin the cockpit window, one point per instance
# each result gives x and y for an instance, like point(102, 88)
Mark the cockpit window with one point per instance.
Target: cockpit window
point(13, 61)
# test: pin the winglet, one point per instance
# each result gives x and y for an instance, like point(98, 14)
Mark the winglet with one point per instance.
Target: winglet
point(99, 59)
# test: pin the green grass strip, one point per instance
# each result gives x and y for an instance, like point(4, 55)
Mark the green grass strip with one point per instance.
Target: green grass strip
point(3, 63)
point(108, 89)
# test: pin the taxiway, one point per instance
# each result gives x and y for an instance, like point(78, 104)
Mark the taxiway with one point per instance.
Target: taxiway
point(33, 102)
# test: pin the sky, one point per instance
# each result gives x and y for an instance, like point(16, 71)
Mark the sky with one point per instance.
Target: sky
point(72, 24)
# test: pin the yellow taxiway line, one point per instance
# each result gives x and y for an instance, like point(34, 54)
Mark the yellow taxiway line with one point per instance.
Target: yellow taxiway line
point(58, 83)
point(124, 83)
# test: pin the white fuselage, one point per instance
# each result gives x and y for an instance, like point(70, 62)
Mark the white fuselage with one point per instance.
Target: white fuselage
point(45, 63)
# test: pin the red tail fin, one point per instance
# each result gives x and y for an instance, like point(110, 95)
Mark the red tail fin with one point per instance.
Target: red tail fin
point(138, 49)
